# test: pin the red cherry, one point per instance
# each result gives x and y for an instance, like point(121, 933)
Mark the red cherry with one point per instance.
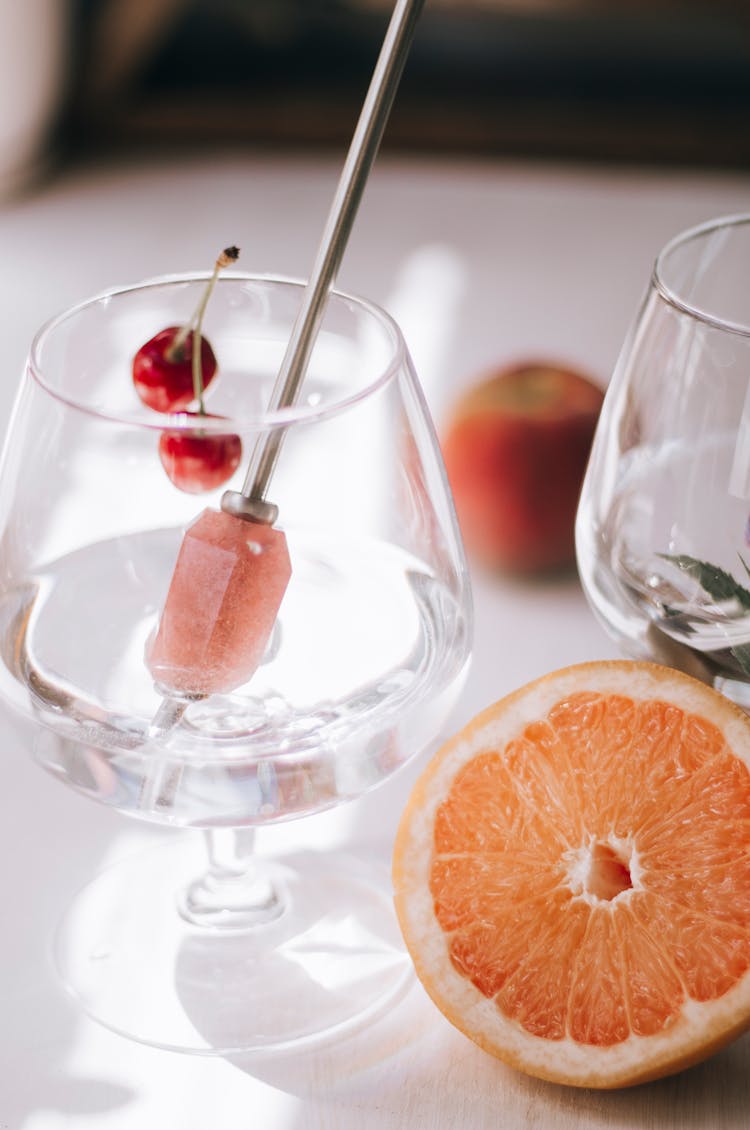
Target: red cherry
point(163, 375)
point(198, 460)
point(166, 375)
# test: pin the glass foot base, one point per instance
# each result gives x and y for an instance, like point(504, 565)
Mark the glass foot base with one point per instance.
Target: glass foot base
point(330, 962)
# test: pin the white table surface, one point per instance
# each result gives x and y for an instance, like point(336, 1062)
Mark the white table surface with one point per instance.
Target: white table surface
point(481, 263)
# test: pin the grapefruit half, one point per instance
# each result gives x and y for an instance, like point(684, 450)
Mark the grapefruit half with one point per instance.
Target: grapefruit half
point(572, 875)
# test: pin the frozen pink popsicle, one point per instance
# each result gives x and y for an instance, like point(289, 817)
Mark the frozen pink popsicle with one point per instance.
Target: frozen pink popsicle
point(226, 590)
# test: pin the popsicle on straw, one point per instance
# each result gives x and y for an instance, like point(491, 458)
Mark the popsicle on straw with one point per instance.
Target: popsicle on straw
point(213, 643)
point(233, 566)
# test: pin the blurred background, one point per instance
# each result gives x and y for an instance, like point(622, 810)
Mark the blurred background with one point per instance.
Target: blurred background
point(655, 81)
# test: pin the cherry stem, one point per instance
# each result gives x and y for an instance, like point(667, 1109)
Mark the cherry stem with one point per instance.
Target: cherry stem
point(229, 255)
point(198, 371)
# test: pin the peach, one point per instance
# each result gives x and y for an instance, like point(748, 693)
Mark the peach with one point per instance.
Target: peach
point(515, 449)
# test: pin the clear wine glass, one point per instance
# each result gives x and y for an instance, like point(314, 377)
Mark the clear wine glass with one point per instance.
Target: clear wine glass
point(225, 951)
point(663, 527)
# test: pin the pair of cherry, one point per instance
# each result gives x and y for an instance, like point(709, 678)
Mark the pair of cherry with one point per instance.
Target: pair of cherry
point(170, 373)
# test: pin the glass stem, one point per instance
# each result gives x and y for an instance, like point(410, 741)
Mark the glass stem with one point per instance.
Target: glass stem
point(234, 893)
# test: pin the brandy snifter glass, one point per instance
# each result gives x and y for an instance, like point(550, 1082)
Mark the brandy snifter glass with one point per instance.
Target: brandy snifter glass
point(224, 950)
point(663, 528)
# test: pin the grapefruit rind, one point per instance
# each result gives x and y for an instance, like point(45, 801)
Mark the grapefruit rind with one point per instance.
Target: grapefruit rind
point(701, 1028)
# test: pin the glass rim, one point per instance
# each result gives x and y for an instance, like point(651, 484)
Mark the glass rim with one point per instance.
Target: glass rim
point(670, 295)
point(185, 421)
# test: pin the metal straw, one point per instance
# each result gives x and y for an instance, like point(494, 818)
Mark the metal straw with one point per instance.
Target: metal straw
point(250, 501)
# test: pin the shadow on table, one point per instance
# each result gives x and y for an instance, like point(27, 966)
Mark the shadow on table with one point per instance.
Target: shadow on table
point(351, 1069)
point(64, 1095)
point(715, 1093)
point(412, 1066)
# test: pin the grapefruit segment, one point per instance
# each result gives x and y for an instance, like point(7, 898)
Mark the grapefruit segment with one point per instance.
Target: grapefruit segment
point(654, 992)
point(572, 875)
point(596, 1005)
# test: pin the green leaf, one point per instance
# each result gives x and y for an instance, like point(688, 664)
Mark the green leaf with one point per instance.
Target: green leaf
point(742, 654)
point(713, 580)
